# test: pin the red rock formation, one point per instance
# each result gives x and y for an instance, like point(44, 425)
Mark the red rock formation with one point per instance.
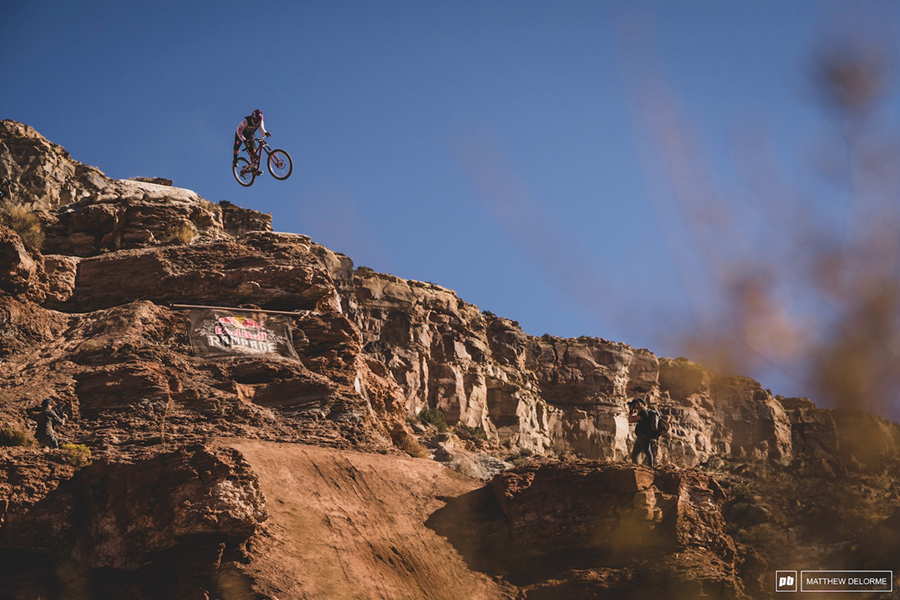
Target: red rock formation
point(166, 509)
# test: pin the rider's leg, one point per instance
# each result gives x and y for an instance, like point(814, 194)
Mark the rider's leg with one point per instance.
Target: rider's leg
point(254, 158)
point(237, 148)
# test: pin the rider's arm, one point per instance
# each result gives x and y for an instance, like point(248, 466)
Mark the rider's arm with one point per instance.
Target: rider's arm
point(262, 127)
point(241, 125)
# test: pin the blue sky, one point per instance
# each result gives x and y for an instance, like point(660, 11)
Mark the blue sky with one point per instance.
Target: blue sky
point(502, 149)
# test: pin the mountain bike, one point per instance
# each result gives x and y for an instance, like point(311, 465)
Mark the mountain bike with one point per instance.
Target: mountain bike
point(278, 161)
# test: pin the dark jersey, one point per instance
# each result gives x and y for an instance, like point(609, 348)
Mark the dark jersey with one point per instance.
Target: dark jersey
point(645, 425)
point(46, 420)
point(248, 126)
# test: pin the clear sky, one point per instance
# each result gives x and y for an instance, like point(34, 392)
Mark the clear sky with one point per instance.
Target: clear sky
point(513, 151)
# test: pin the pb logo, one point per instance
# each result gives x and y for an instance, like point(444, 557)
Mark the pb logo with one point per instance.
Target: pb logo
point(785, 581)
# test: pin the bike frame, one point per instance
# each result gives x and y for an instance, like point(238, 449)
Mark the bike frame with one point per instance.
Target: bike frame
point(278, 160)
point(255, 157)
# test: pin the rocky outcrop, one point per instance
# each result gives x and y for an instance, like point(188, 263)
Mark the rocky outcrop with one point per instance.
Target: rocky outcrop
point(88, 321)
point(126, 241)
point(20, 271)
point(550, 395)
point(616, 532)
point(239, 221)
point(94, 214)
point(275, 271)
point(186, 512)
point(42, 172)
point(129, 214)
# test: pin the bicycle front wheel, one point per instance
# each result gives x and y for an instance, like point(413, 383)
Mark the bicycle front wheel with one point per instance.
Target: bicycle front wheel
point(243, 172)
point(280, 164)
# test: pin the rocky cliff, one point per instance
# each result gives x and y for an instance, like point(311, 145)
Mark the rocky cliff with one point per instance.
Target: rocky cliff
point(174, 482)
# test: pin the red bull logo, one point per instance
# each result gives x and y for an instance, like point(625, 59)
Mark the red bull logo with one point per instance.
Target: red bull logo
point(240, 322)
point(240, 327)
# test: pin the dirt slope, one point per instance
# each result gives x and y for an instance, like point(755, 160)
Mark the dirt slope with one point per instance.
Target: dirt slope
point(345, 524)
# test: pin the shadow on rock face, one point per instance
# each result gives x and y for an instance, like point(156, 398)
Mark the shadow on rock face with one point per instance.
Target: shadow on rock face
point(167, 527)
point(617, 532)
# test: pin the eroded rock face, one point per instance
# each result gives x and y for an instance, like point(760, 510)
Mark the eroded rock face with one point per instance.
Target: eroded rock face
point(20, 271)
point(89, 324)
point(421, 345)
point(616, 532)
point(271, 270)
point(239, 221)
point(120, 515)
point(89, 213)
point(611, 510)
point(41, 171)
point(182, 511)
point(552, 395)
point(128, 214)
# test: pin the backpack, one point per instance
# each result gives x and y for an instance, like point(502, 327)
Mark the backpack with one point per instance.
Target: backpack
point(659, 425)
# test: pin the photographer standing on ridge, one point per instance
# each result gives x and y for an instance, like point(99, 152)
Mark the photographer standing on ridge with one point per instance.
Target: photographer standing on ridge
point(246, 130)
point(46, 419)
point(643, 431)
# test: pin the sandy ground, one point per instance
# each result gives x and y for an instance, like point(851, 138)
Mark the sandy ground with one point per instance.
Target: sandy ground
point(345, 524)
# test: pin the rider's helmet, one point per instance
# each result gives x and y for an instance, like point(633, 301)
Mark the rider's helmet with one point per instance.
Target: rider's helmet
point(257, 115)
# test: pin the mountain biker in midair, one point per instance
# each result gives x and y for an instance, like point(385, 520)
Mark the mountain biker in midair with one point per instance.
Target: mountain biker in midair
point(246, 130)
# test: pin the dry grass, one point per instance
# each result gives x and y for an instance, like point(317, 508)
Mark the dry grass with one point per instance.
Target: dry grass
point(10, 436)
point(22, 219)
point(182, 234)
point(411, 446)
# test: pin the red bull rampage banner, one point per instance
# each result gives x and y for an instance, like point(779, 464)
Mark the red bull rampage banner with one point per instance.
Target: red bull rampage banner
point(219, 333)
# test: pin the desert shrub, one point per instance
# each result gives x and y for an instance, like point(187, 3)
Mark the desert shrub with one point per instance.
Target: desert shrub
point(9, 436)
point(183, 234)
point(742, 536)
point(741, 492)
point(566, 455)
point(433, 416)
point(411, 446)
point(77, 455)
point(520, 457)
point(21, 219)
point(475, 433)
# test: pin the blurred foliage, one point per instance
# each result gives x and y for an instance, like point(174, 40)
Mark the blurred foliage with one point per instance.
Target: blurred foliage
point(802, 286)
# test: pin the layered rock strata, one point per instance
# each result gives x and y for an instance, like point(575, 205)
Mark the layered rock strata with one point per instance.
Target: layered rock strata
point(88, 322)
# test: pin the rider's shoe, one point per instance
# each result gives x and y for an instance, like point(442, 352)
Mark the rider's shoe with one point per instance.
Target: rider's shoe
point(258, 172)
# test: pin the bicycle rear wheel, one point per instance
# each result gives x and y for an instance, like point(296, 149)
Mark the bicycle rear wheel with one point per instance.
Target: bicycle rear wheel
point(243, 172)
point(280, 164)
